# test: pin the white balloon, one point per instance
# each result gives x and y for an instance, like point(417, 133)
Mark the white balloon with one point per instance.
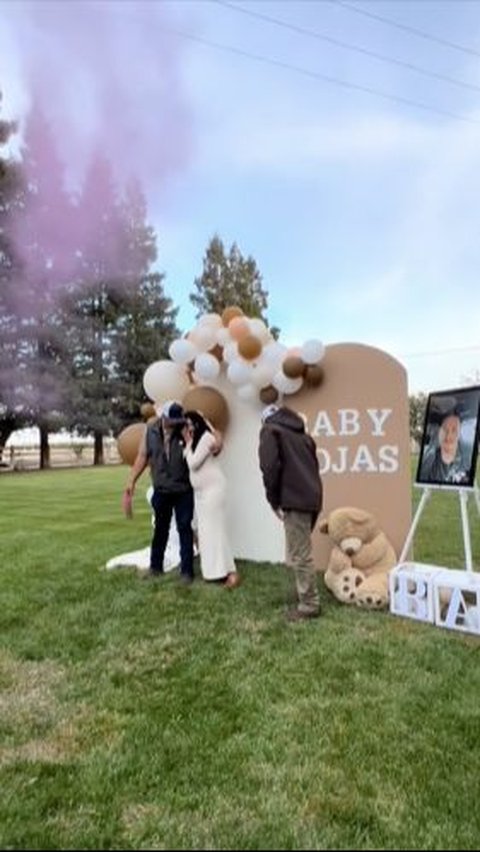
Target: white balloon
point(182, 351)
point(204, 337)
point(274, 353)
point(206, 367)
point(259, 329)
point(247, 392)
point(312, 351)
point(164, 380)
point(223, 336)
point(262, 373)
point(213, 320)
point(285, 385)
point(230, 352)
point(238, 372)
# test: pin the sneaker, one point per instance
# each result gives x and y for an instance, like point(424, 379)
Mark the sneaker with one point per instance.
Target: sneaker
point(152, 575)
point(186, 579)
point(295, 615)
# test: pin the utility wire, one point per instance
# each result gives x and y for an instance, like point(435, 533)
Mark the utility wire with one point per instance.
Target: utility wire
point(441, 352)
point(325, 78)
point(346, 46)
point(399, 26)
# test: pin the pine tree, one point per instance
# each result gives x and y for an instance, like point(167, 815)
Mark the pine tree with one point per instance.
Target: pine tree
point(11, 411)
point(229, 279)
point(44, 257)
point(146, 324)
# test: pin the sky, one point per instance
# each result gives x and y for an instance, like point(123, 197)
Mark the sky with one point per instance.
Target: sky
point(337, 142)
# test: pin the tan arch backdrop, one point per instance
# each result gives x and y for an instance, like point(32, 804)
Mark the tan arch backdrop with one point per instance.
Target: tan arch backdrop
point(359, 419)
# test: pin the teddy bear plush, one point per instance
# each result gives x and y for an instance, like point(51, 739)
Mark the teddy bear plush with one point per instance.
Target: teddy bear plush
point(360, 560)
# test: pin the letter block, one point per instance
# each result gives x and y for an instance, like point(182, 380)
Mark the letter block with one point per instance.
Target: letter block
point(411, 590)
point(457, 600)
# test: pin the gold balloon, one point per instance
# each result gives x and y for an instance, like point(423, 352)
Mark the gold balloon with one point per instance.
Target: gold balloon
point(268, 395)
point(249, 347)
point(210, 402)
point(129, 440)
point(229, 313)
point(293, 366)
point(314, 375)
point(238, 328)
point(147, 410)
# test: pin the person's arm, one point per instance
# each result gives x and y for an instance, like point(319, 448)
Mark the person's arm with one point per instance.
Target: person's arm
point(271, 468)
point(205, 448)
point(136, 471)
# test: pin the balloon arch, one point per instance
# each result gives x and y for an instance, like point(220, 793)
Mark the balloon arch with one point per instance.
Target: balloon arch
point(258, 368)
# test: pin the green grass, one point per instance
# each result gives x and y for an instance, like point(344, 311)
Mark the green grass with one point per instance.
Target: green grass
point(142, 716)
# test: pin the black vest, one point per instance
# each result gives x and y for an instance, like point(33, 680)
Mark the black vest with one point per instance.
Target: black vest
point(168, 473)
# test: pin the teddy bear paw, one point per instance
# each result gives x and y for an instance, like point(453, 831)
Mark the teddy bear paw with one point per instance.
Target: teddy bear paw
point(347, 584)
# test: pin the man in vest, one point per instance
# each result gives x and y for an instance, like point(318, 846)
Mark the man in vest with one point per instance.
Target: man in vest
point(162, 450)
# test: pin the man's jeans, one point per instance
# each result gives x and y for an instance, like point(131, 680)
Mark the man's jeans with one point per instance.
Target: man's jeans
point(164, 504)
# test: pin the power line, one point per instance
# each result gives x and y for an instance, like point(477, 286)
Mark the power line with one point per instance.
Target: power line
point(453, 351)
point(410, 66)
point(399, 26)
point(316, 75)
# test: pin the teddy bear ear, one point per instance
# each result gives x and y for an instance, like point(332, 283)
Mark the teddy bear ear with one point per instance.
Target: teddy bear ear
point(323, 526)
point(359, 516)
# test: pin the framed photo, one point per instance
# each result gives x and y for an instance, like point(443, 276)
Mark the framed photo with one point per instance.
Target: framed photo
point(448, 454)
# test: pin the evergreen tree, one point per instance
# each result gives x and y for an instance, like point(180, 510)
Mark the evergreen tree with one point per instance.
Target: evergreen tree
point(229, 279)
point(95, 300)
point(12, 415)
point(44, 254)
point(145, 326)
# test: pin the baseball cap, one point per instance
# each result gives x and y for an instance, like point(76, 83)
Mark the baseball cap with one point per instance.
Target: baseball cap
point(171, 411)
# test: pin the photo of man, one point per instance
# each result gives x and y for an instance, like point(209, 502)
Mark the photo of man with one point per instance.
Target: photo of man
point(449, 448)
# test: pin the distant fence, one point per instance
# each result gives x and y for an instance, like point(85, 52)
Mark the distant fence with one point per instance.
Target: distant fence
point(27, 457)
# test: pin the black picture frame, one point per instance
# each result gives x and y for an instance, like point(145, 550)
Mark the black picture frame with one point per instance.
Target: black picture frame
point(452, 419)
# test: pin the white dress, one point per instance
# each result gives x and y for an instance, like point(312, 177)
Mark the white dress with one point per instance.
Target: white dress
point(210, 490)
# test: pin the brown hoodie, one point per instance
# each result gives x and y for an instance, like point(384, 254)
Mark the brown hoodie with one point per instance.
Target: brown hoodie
point(289, 464)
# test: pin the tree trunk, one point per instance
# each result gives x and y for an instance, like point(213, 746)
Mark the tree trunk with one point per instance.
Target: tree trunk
point(7, 426)
point(44, 448)
point(98, 448)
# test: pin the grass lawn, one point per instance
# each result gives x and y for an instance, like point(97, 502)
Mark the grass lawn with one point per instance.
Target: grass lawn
point(153, 716)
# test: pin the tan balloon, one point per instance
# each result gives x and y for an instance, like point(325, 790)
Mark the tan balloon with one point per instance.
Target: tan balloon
point(314, 375)
point(249, 347)
point(293, 366)
point(129, 440)
point(238, 328)
point(229, 313)
point(268, 395)
point(210, 402)
point(147, 410)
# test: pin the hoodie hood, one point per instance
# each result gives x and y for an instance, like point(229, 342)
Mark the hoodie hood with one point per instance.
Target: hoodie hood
point(287, 419)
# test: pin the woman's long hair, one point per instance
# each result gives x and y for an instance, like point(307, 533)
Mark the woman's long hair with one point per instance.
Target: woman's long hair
point(199, 425)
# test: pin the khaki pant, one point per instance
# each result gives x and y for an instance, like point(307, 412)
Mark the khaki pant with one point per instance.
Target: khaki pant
point(298, 527)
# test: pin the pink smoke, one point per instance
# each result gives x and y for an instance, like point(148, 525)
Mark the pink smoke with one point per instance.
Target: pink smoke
point(108, 76)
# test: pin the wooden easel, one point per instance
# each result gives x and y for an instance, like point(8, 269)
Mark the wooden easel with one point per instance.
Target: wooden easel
point(463, 495)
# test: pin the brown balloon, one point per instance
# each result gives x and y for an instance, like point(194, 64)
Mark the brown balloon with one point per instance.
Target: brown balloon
point(147, 410)
point(229, 313)
point(210, 402)
point(249, 347)
point(268, 395)
point(293, 366)
point(314, 375)
point(129, 440)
